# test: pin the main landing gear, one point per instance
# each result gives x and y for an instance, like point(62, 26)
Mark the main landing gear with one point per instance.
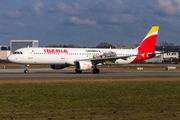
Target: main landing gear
point(26, 70)
point(95, 70)
point(78, 71)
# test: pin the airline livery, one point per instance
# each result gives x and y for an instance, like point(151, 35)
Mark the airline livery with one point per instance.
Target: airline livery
point(85, 58)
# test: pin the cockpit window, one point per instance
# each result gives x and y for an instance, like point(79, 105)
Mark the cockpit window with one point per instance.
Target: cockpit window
point(17, 53)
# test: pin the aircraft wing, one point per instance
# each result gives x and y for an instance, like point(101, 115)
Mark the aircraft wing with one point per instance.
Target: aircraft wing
point(101, 60)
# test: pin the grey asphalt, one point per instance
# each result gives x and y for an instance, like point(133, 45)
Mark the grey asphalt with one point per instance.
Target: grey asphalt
point(37, 73)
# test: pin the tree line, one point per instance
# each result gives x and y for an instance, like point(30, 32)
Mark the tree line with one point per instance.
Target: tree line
point(106, 45)
point(100, 45)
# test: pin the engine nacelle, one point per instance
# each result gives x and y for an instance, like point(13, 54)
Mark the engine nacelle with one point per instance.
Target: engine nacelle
point(57, 67)
point(83, 65)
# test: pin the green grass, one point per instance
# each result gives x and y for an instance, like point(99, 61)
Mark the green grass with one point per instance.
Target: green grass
point(133, 100)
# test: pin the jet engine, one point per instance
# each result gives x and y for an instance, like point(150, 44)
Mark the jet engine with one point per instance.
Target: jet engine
point(83, 65)
point(57, 67)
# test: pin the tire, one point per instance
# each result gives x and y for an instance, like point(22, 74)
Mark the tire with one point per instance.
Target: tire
point(26, 71)
point(78, 71)
point(96, 71)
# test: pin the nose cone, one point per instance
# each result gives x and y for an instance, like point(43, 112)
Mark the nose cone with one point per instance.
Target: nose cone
point(10, 58)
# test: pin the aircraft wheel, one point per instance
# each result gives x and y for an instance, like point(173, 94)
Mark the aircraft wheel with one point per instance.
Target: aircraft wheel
point(95, 71)
point(78, 71)
point(26, 71)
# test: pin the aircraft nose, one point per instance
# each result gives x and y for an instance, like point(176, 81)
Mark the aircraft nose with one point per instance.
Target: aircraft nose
point(10, 58)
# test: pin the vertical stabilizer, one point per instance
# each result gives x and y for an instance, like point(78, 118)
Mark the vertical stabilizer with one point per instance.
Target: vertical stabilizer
point(149, 42)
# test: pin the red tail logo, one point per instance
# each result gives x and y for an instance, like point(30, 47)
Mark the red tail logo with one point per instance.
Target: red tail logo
point(147, 46)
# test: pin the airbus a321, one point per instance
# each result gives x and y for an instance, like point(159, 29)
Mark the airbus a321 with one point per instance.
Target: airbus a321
point(85, 58)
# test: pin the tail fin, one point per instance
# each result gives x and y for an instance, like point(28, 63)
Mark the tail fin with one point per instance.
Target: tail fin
point(149, 42)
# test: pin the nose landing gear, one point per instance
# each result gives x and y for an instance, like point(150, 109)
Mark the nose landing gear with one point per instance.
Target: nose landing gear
point(26, 70)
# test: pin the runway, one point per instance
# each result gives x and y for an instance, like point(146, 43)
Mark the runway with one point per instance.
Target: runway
point(37, 73)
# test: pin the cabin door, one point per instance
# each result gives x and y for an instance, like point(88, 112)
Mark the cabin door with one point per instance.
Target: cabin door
point(62, 55)
point(30, 54)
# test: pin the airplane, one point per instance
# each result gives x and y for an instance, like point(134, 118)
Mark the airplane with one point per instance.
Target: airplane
point(85, 58)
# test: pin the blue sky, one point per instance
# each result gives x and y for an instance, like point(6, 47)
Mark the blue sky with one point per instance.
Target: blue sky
point(88, 22)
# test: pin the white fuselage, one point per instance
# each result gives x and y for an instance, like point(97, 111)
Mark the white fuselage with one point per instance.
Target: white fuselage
point(54, 56)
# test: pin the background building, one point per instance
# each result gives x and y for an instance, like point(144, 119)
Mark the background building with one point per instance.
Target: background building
point(4, 52)
point(155, 59)
point(165, 57)
point(16, 44)
point(168, 49)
